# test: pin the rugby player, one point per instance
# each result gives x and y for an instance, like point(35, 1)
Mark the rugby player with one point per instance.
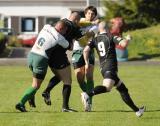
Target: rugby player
point(104, 44)
point(48, 39)
point(77, 58)
point(61, 66)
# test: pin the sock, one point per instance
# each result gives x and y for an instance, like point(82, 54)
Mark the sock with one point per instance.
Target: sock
point(29, 93)
point(97, 90)
point(126, 97)
point(90, 86)
point(66, 95)
point(52, 83)
point(83, 86)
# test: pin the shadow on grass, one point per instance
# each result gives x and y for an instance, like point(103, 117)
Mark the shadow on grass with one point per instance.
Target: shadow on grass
point(144, 56)
point(158, 110)
point(122, 111)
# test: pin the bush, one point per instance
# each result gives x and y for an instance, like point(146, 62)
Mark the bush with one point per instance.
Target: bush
point(14, 41)
point(136, 13)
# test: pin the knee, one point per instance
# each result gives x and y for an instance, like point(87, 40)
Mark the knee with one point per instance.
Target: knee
point(36, 86)
point(67, 80)
point(108, 83)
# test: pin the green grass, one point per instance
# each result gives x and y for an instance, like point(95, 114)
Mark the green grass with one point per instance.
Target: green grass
point(145, 43)
point(108, 109)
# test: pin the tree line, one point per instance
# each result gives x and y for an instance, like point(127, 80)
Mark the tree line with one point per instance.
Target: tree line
point(136, 13)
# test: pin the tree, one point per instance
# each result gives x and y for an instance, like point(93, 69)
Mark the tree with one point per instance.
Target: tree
point(136, 13)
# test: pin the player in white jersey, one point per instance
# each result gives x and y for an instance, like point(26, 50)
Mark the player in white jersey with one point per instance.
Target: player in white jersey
point(48, 38)
point(89, 24)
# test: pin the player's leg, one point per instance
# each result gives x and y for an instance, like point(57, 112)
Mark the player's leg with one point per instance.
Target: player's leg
point(52, 83)
point(79, 68)
point(106, 87)
point(80, 76)
point(89, 77)
point(28, 94)
point(38, 66)
point(89, 72)
point(108, 83)
point(67, 80)
point(31, 102)
point(122, 89)
point(55, 65)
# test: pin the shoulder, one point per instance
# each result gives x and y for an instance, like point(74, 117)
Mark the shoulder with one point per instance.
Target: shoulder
point(47, 26)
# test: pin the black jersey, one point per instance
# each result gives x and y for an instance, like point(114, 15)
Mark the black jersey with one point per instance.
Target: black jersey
point(105, 47)
point(73, 31)
point(58, 55)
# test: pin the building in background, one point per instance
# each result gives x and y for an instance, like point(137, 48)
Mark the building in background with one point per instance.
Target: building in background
point(27, 17)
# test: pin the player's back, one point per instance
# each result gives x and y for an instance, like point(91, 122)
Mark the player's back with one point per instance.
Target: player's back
point(73, 31)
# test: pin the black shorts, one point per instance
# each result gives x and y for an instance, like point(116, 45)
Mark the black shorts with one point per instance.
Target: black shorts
point(109, 70)
point(59, 60)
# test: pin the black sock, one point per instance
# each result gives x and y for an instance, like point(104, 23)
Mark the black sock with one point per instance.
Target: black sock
point(126, 97)
point(97, 90)
point(66, 94)
point(52, 83)
point(83, 86)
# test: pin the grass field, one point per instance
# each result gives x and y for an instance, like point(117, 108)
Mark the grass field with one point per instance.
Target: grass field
point(108, 109)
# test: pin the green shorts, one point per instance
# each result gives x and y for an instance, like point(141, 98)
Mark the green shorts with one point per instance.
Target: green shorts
point(38, 65)
point(78, 59)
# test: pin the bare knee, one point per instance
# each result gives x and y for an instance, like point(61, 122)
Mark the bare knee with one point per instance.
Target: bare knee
point(80, 75)
point(108, 83)
point(36, 83)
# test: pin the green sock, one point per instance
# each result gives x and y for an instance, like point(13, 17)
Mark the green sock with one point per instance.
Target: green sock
point(28, 94)
point(90, 86)
point(83, 86)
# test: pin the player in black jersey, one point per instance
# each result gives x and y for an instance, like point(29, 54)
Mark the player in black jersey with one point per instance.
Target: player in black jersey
point(60, 64)
point(104, 43)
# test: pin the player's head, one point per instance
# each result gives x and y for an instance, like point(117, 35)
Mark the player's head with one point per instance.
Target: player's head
point(103, 27)
point(61, 27)
point(90, 13)
point(75, 17)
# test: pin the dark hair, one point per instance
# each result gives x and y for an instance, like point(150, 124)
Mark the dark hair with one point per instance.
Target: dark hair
point(92, 8)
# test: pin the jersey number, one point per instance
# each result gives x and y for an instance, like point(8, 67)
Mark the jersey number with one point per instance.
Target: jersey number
point(101, 49)
point(41, 42)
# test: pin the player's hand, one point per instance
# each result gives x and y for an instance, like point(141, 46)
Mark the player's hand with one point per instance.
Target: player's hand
point(96, 21)
point(87, 66)
point(128, 37)
point(90, 34)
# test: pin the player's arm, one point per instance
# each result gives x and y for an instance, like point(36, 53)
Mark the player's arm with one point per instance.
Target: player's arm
point(87, 36)
point(86, 51)
point(123, 42)
point(86, 55)
point(63, 42)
